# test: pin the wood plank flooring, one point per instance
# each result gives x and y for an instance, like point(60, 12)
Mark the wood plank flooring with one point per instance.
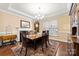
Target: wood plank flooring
point(6, 50)
point(62, 50)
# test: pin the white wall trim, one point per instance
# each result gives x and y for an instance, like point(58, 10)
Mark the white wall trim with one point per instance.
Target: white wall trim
point(58, 14)
point(17, 11)
point(13, 11)
point(9, 12)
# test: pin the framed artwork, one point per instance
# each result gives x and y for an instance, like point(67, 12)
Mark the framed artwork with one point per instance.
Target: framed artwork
point(24, 24)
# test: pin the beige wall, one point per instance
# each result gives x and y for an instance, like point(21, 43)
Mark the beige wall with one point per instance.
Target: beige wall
point(1, 22)
point(11, 21)
point(63, 27)
point(14, 21)
point(63, 23)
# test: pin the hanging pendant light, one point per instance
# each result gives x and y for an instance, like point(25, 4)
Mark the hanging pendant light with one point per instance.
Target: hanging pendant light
point(39, 15)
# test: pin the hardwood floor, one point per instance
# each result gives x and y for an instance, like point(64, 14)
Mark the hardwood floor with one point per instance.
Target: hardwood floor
point(62, 50)
point(6, 50)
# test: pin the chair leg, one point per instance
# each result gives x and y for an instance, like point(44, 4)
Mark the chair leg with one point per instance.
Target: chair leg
point(46, 44)
point(48, 41)
point(42, 47)
point(26, 51)
point(21, 49)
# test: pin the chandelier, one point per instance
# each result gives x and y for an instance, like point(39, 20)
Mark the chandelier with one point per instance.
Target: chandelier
point(39, 15)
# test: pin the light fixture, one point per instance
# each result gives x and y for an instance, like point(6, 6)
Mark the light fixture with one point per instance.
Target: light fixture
point(39, 15)
point(37, 25)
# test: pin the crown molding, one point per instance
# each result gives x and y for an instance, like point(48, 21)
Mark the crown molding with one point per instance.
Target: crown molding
point(19, 12)
point(14, 14)
point(13, 11)
point(58, 14)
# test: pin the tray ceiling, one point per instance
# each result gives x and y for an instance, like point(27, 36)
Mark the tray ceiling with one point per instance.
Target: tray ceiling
point(32, 9)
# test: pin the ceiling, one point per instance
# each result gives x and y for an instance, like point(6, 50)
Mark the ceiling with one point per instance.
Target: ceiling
point(32, 9)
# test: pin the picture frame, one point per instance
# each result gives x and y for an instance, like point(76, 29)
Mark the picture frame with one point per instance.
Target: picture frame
point(24, 24)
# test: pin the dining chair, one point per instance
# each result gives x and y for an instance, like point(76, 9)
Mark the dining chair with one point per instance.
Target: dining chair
point(47, 37)
point(44, 40)
point(24, 41)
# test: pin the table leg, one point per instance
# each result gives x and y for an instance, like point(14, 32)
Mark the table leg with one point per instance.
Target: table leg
point(26, 51)
point(35, 44)
point(46, 44)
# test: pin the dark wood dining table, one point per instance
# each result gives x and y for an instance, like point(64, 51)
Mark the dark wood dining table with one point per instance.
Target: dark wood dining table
point(34, 38)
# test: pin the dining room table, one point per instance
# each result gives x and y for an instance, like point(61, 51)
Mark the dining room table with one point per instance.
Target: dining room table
point(34, 38)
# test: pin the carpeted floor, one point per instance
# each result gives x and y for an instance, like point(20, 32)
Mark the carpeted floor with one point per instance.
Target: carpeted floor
point(50, 51)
